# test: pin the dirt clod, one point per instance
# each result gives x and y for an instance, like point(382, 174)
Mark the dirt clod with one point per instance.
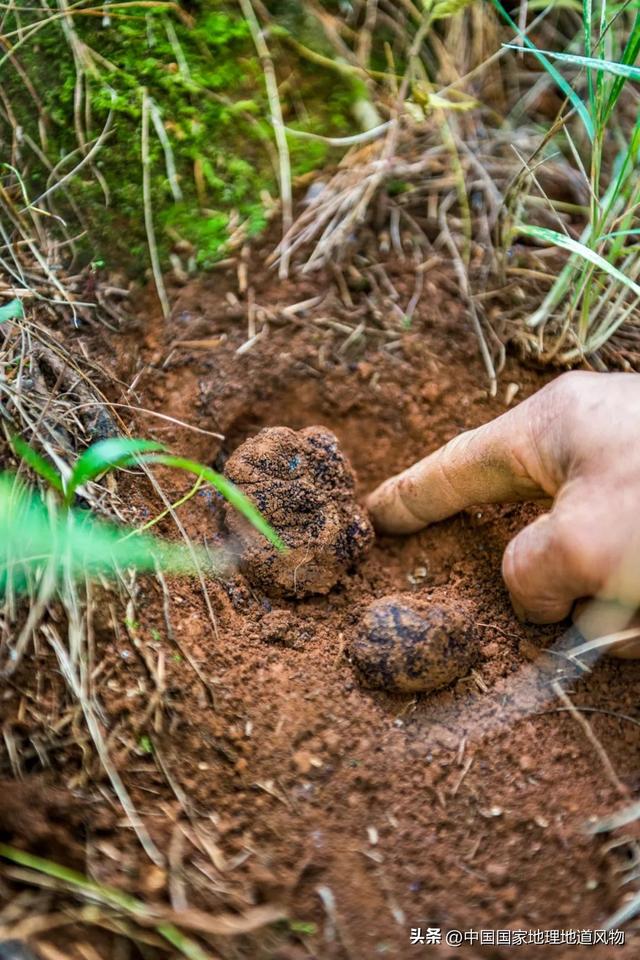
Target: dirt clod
point(406, 643)
point(277, 627)
point(305, 487)
point(497, 873)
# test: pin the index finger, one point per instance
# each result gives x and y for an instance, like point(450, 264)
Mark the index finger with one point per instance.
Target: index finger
point(497, 462)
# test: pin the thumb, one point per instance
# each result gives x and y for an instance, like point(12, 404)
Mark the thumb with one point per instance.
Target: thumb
point(490, 464)
point(545, 570)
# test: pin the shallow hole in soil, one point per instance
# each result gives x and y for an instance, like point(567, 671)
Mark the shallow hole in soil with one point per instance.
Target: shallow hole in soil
point(469, 774)
point(375, 450)
point(374, 440)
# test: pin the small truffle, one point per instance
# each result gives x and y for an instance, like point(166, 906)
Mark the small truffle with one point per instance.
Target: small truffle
point(405, 643)
point(304, 486)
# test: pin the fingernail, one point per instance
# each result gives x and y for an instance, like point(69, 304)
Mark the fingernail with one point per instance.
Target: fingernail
point(518, 609)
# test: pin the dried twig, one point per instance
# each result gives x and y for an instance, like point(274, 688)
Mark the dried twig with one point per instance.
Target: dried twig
point(148, 211)
point(275, 107)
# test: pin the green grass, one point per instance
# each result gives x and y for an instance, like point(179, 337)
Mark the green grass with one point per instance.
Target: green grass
point(599, 287)
point(108, 897)
point(211, 144)
point(42, 541)
point(47, 534)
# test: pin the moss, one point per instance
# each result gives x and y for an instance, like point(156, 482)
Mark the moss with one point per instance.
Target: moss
point(396, 187)
point(208, 86)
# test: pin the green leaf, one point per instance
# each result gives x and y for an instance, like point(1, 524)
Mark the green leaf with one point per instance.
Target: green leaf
point(107, 455)
point(12, 310)
point(619, 233)
point(228, 490)
point(625, 70)
point(558, 5)
point(588, 34)
point(37, 463)
point(304, 927)
point(629, 55)
point(574, 246)
point(35, 535)
point(566, 88)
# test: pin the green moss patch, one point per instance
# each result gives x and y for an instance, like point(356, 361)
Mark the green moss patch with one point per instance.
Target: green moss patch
point(217, 165)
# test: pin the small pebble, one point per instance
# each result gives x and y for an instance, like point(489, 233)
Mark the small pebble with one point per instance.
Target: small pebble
point(407, 643)
point(302, 760)
point(497, 873)
point(331, 740)
point(527, 763)
point(154, 879)
point(417, 575)
point(491, 649)
point(278, 627)
point(510, 894)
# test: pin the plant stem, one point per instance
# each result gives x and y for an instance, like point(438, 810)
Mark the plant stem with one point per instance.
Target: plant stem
point(148, 211)
point(271, 84)
point(109, 896)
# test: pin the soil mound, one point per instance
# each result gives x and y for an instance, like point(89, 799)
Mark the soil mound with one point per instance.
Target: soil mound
point(305, 487)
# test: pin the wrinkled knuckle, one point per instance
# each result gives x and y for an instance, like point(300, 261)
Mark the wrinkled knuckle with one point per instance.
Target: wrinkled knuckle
point(515, 566)
point(570, 386)
point(569, 381)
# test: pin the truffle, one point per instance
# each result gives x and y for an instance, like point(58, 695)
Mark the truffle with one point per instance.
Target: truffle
point(305, 487)
point(408, 643)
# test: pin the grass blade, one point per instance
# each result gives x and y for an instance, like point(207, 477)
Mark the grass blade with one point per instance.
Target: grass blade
point(566, 88)
point(629, 55)
point(109, 896)
point(12, 310)
point(38, 464)
point(574, 246)
point(619, 233)
point(625, 70)
point(588, 33)
point(107, 455)
point(228, 490)
point(34, 535)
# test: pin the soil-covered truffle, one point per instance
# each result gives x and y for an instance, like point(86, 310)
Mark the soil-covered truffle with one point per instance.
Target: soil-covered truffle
point(407, 643)
point(305, 487)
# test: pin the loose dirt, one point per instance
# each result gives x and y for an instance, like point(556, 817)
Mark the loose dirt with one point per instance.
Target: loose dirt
point(265, 771)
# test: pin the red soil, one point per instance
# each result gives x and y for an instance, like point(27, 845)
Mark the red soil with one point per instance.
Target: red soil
point(364, 813)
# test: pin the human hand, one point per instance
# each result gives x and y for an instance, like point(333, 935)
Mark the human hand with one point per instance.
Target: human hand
point(576, 442)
